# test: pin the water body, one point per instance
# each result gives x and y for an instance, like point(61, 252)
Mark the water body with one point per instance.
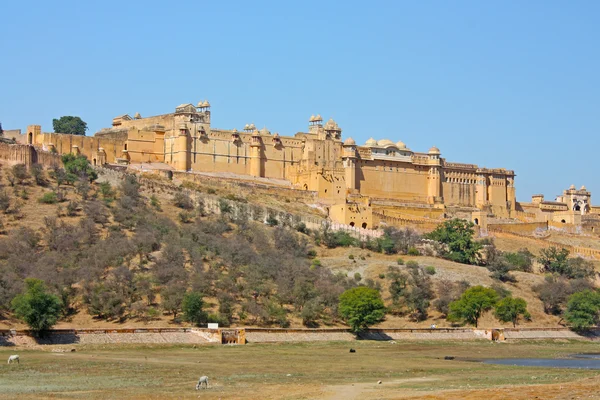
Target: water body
point(585, 361)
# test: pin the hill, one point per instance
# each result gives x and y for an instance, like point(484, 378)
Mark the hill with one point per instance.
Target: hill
point(123, 251)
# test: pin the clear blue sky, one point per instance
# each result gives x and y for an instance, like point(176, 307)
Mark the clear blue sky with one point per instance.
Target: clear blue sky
point(511, 84)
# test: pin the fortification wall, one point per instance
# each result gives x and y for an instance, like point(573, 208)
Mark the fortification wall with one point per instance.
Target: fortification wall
point(28, 155)
point(87, 145)
point(16, 135)
point(526, 228)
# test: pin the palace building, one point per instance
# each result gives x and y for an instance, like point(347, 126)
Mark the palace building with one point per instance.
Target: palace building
point(359, 183)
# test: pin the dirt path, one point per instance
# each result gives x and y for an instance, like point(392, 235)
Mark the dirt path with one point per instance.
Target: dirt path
point(368, 390)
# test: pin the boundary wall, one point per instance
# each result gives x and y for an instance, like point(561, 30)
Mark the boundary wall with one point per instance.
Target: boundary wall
point(278, 335)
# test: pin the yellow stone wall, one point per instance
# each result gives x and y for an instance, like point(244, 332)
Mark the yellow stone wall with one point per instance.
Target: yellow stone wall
point(316, 160)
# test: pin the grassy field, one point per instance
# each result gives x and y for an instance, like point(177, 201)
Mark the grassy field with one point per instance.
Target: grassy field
point(295, 371)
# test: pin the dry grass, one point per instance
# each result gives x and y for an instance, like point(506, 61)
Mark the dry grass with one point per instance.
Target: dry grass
point(291, 371)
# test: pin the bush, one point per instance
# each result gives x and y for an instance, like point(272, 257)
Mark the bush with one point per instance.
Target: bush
point(357, 276)
point(182, 200)
point(457, 235)
point(49, 198)
point(155, 203)
point(472, 304)
point(511, 309)
point(18, 173)
point(413, 251)
point(272, 220)
point(311, 254)
point(192, 308)
point(430, 270)
point(39, 309)
point(400, 261)
point(583, 310)
point(225, 207)
point(4, 201)
point(381, 276)
point(78, 166)
point(361, 307)
point(351, 257)
point(186, 216)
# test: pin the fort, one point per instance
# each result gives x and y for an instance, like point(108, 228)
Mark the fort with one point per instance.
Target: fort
point(379, 182)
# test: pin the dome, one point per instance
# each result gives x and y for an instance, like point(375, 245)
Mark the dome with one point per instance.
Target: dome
point(246, 126)
point(234, 130)
point(276, 135)
point(434, 150)
point(583, 188)
point(385, 143)
point(371, 142)
point(252, 126)
point(312, 118)
point(137, 116)
point(349, 142)
point(331, 125)
point(318, 118)
point(206, 104)
point(401, 145)
point(572, 187)
point(199, 105)
point(265, 131)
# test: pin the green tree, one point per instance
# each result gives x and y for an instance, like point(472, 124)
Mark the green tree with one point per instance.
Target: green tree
point(510, 309)
point(472, 304)
point(1, 130)
point(39, 309)
point(457, 234)
point(583, 309)
point(78, 166)
point(361, 307)
point(70, 125)
point(554, 260)
point(192, 308)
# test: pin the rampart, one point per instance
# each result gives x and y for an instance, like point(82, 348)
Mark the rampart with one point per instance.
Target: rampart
point(28, 155)
point(527, 228)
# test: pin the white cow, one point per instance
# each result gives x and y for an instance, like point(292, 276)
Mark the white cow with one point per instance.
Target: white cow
point(203, 379)
point(13, 358)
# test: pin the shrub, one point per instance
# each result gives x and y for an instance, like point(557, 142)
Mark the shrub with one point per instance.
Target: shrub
point(224, 207)
point(155, 203)
point(49, 198)
point(361, 307)
point(583, 310)
point(39, 309)
point(511, 309)
point(272, 220)
point(182, 200)
point(400, 261)
point(192, 308)
point(457, 235)
point(72, 208)
point(357, 276)
point(430, 270)
point(311, 254)
point(78, 166)
point(18, 173)
point(413, 251)
point(472, 304)
point(186, 216)
point(351, 257)
point(4, 201)
point(381, 276)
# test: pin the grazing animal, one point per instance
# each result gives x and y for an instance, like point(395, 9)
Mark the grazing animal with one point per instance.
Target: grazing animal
point(352, 351)
point(449, 358)
point(203, 379)
point(13, 358)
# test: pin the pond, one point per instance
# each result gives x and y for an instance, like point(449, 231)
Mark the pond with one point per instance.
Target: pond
point(585, 361)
